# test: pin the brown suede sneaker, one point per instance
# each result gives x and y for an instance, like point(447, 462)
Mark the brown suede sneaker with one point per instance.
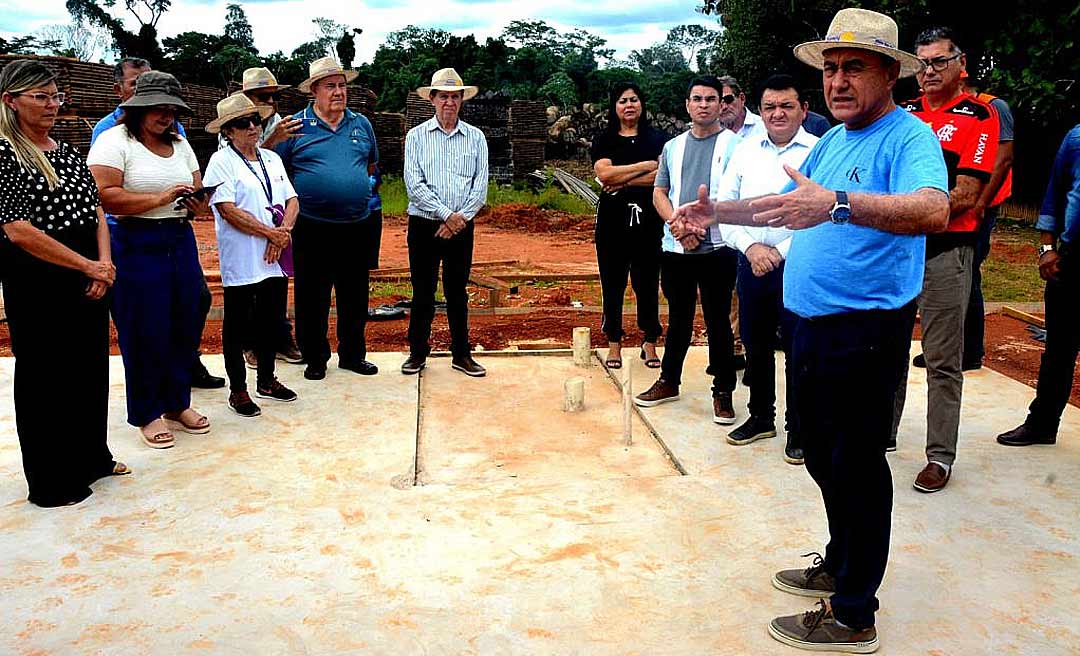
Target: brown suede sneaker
point(933, 478)
point(818, 630)
point(723, 409)
point(660, 392)
point(813, 581)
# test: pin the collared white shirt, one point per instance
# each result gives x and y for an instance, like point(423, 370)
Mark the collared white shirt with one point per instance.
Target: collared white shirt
point(756, 169)
point(752, 123)
point(445, 173)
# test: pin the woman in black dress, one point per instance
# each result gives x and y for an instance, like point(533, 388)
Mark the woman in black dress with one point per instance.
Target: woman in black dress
point(54, 287)
point(628, 228)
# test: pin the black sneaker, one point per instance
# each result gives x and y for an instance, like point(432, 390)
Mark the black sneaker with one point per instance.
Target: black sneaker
point(468, 366)
point(362, 367)
point(276, 391)
point(315, 371)
point(201, 378)
point(793, 453)
point(1025, 435)
point(752, 430)
point(813, 581)
point(241, 404)
point(818, 630)
point(890, 446)
point(413, 364)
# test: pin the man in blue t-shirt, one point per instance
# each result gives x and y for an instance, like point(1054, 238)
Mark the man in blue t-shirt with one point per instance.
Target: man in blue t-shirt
point(125, 73)
point(860, 205)
point(330, 160)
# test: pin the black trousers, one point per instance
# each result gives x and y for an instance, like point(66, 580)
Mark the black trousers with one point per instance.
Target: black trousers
point(621, 249)
point(765, 326)
point(58, 335)
point(847, 368)
point(331, 256)
point(426, 251)
point(682, 276)
point(1062, 344)
point(253, 315)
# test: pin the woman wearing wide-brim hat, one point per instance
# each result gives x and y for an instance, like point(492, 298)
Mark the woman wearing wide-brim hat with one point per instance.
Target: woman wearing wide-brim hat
point(255, 208)
point(145, 174)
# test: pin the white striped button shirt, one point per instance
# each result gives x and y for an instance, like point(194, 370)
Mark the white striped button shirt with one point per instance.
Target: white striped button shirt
point(445, 173)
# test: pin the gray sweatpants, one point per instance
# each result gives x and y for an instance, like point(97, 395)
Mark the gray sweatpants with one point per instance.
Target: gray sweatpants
point(942, 306)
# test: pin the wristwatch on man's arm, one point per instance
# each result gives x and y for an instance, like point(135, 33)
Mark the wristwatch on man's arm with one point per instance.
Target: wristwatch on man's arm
point(841, 209)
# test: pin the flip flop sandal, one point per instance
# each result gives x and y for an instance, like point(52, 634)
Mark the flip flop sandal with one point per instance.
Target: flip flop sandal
point(613, 363)
point(120, 469)
point(651, 363)
point(160, 440)
point(191, 429)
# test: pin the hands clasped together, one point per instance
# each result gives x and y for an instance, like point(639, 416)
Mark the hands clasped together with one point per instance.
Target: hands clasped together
point(453, 224)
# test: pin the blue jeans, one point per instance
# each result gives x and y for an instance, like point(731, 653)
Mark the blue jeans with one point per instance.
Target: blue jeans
point(847, 368)
point(156, 309)
point(765, 326)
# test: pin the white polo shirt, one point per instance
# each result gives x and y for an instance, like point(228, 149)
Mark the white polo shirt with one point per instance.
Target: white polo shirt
point(757, 169)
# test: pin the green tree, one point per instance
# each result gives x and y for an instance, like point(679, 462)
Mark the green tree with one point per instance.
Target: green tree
point(26, 45)
point(238, 28)
point(141, 43)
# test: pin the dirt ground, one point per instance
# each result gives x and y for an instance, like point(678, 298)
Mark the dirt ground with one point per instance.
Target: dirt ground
point(546, 241)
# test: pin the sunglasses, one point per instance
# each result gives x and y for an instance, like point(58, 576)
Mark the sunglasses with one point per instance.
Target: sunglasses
point(243, 123)
point(266, 97)
point(728, 99)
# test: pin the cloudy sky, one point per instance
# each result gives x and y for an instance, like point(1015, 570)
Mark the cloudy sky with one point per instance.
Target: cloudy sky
point(285, 24)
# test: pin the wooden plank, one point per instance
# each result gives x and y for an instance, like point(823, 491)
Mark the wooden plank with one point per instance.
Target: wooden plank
point(547, 277)
point(1038, 322)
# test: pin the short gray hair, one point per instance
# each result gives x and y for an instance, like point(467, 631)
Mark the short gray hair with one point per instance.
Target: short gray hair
point(133, 62)
point(729, 82)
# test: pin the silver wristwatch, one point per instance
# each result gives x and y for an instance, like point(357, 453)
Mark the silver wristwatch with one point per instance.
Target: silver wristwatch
point(1045, 248)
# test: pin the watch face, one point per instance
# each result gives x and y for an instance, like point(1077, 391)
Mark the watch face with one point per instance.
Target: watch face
point(841, 214)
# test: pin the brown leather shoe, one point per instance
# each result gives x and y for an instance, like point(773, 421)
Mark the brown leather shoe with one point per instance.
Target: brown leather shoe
point(468, 366)
point(660, 392)
point(932, 478)
point(722, 408)
point(818, 630)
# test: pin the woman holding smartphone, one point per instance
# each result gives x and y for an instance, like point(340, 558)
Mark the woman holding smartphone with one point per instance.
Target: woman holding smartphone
point(146, 176)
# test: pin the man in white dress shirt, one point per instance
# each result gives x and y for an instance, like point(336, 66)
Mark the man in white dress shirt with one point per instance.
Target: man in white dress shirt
point(757, 168)
point(446, 178)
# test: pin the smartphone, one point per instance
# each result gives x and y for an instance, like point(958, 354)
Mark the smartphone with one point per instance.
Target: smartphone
point(197, 195)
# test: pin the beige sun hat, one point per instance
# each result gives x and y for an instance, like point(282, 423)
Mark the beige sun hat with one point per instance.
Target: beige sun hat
point(261, 78)
point(863, 29)
point(235, 106)
point(447, 79)
point(325, 67)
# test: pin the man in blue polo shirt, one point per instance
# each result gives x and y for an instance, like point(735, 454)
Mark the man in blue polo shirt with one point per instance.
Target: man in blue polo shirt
point(125, 73)
point(330, 161)
point(864, 198)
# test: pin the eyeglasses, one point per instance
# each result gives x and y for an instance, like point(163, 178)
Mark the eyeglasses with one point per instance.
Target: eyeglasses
point(728, 99)
point(44, 98)
point(938, 63)
point(243, 123)
point(266, 97)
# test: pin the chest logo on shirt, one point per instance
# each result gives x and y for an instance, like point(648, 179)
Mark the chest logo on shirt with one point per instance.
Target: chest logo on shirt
point(853, 174)
point(946, 132)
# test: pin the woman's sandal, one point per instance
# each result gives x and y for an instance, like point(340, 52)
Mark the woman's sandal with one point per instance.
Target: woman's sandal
point(175, 421)
point(120, 469)
point(161, 439)
point(613, 363)
point(651, 363)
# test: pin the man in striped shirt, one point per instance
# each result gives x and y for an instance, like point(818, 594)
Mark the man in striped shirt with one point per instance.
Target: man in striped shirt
point(446, 178)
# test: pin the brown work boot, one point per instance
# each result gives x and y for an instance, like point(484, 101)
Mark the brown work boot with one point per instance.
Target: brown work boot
point(660, 392)
point(932, 478)
point(722, 408)
point(818, 630)
point(813, 581)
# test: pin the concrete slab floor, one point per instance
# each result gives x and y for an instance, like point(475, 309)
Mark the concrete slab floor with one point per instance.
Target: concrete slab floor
point(297, 532)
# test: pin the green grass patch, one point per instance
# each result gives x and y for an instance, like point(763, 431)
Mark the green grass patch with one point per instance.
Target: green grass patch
point(396, 201)
point(398, 288)
point(1011, 274)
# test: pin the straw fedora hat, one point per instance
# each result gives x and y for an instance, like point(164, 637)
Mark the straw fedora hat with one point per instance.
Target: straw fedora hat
point(325, 67)
point(446, 79)
point(235, 106)
point(261, 78)
point(862, 29)
point(154, 88)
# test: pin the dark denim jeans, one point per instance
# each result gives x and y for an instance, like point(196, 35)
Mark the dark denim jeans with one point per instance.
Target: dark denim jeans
point(847, 367)
point(765, 326)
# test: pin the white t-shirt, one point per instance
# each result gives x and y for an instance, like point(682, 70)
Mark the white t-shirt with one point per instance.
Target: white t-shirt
point(242, 255)
point(145, 172)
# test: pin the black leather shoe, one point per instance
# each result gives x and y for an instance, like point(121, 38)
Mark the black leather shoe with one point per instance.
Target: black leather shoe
point(1024, 435)
point(362, 367)
point(793, 453)
point(413, 364)
point(315, 372)
point(919, 361)
point(468, 366)
point(201, 378)
point(974, 365)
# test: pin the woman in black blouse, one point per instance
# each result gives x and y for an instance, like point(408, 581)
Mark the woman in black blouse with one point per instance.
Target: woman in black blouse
point(628, 228)
point(54, 288)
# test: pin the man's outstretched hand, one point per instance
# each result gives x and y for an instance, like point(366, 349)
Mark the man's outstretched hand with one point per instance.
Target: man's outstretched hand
point(806, 206)
point(694, 218)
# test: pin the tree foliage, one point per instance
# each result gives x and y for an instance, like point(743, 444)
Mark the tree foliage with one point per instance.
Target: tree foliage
point(238, 28)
